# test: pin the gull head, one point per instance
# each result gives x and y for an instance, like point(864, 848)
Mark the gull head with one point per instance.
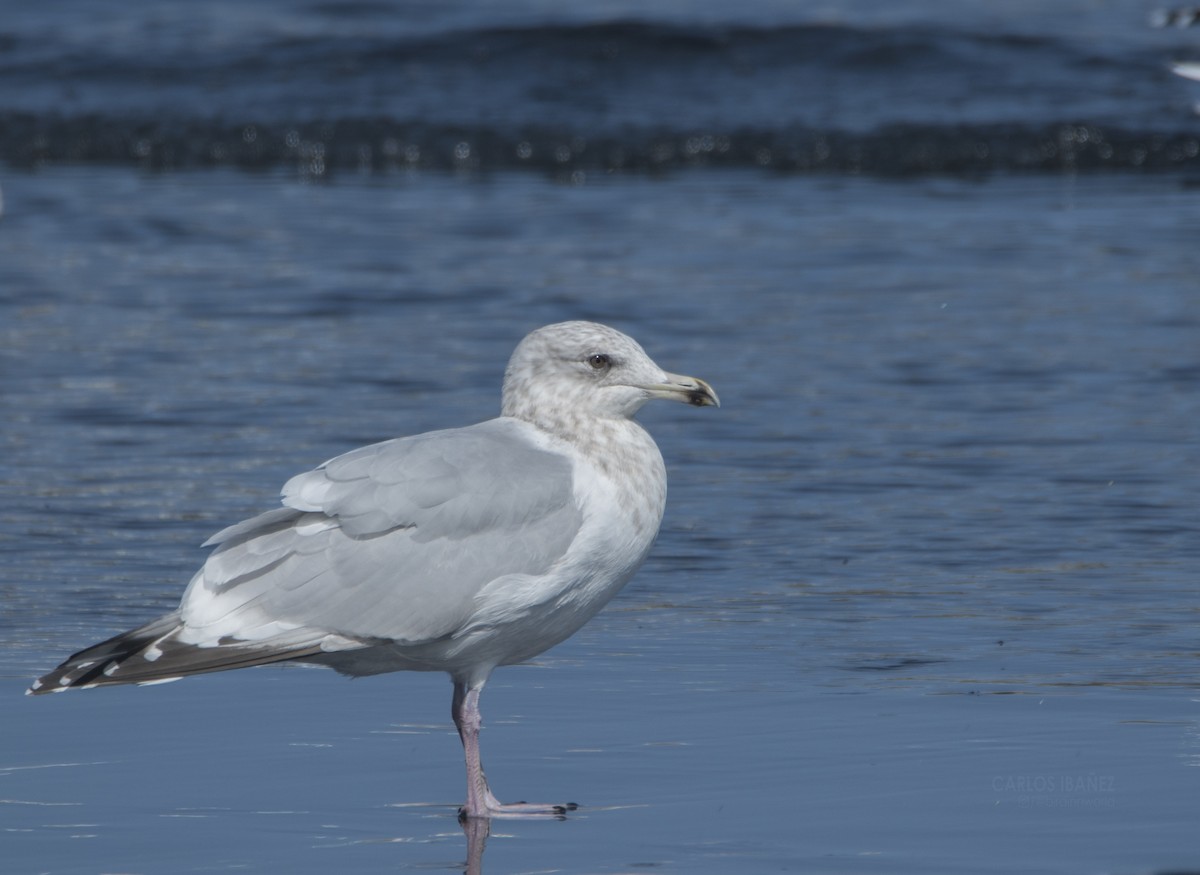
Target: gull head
point(584, 369)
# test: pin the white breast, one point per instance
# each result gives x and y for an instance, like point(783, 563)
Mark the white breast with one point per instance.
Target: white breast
point(621, 495)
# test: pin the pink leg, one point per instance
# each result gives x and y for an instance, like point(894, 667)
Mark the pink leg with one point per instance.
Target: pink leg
point(480, 801)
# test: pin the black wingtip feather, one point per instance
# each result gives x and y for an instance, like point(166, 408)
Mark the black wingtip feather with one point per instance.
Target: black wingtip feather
point(91, 661)
point(123, 659)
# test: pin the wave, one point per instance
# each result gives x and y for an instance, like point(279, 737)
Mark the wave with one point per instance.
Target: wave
point(625, 95)
point(319, 148)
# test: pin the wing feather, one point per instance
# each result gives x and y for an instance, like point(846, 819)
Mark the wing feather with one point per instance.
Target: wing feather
point(392, 541)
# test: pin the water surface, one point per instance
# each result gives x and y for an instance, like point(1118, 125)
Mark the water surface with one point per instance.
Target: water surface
point(924, 599)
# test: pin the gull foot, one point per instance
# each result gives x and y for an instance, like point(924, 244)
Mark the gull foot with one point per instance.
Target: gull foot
point(515, 810)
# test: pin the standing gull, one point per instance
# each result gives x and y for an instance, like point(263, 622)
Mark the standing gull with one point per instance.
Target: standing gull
point(457, 551)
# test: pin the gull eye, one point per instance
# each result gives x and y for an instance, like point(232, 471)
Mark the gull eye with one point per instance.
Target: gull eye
point(599, 361)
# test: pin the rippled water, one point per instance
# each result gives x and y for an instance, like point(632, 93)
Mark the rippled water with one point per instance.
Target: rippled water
point(925, 596)
point(330, 88)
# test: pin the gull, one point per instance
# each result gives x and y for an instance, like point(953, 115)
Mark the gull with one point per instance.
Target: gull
point(1181, 17)
point(459, 550)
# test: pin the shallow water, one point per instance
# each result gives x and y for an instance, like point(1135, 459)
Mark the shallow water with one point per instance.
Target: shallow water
point(924, 599)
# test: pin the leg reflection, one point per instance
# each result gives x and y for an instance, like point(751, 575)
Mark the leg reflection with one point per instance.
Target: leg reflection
point(477, 830)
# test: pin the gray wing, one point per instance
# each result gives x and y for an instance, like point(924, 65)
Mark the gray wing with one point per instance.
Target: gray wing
point(389, 542)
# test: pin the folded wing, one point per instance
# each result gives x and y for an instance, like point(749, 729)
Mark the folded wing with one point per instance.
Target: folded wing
point(388, 543)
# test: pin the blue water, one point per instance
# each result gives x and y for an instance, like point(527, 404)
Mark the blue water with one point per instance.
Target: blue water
point(925, 596)
point(383, 86)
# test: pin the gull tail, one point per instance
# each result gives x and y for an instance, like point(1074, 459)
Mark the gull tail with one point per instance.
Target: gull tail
point(152, 654)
